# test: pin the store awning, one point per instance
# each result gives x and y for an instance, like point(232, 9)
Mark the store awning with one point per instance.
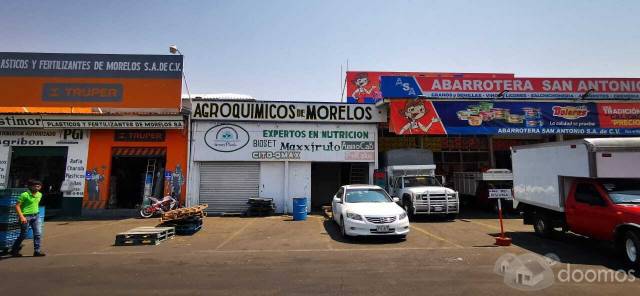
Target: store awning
point(139, 151)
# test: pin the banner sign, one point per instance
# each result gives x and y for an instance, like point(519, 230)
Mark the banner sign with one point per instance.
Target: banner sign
point(291, 112)
point(364, 87)
point(419, 116)
point(500, 193)
point(76, 141)
point(510, 88)
point(139, 136)
point(90, 80)
point(91, 122)
point(248, 141)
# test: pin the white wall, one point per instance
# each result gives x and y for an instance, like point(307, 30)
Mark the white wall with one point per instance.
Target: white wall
point(299, 183)
point(272, 183)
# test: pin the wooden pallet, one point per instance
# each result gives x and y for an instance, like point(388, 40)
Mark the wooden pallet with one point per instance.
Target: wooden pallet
point(144, 236)
point(182, 213)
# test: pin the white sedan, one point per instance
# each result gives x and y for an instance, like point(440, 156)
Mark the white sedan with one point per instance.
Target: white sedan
point(368, 210)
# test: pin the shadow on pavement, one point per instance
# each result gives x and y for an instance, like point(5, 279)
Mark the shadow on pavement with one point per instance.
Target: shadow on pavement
point(334, 232)
point(99, 215)
point(570, 248)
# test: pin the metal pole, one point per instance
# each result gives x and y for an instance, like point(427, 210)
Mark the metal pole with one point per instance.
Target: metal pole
point(500, 214)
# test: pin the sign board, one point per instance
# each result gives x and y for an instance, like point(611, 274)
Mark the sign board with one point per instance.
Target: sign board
point(287, 112)
point(500, 193)
point(418, 116)
point(364, 87)
point(76, 140)
point(284, 141)
point(90, 80)
point(139, 136)
point(510, 88)
point(91, 122)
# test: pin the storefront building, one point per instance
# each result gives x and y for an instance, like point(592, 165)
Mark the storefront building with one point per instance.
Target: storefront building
point(99, 130)
point(471, 120)
point(279, 150)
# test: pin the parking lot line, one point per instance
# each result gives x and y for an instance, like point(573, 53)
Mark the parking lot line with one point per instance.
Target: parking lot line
point(234, 234)
point(485, 225)
point(435, 236)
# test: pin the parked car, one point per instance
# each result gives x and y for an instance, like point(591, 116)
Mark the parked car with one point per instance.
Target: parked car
point(590, 187)
point(368, 210)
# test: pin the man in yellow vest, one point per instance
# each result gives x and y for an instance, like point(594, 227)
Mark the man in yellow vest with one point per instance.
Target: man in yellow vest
point(27, 208)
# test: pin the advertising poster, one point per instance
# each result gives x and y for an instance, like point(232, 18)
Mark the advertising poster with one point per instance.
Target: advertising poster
point(284, 141)
point(364, 87)
point(513, 118)
point(474, 88)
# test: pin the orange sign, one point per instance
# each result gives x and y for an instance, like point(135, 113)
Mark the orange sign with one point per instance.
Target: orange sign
point(90, 80)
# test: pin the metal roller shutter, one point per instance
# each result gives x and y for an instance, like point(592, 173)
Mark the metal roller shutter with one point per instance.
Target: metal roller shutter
point(226, 186)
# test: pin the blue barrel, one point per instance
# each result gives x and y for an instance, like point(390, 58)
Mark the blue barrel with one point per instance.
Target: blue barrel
point(299, 209)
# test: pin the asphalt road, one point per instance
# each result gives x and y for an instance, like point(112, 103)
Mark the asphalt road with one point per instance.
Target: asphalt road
point(275, 256)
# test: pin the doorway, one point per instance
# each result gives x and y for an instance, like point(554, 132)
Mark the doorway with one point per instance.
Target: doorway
point(327, 177)
point(129, 178)
point(46, 164)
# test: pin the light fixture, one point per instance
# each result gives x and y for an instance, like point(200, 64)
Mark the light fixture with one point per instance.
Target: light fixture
point(174, 49)
point(586, 94)
point(501, 94)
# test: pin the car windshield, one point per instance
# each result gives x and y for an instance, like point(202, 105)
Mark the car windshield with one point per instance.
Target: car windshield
point(367, 195)
point(623, 191)
point(421, 181)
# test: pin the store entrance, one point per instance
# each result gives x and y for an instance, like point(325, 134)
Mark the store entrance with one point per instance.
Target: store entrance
point(128, 175)
point(46, 164)
point(327, 177)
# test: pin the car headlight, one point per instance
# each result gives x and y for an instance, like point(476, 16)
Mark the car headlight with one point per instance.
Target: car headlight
point(354, 216)
point(402, 216)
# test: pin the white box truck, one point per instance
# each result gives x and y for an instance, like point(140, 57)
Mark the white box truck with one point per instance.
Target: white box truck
point(590, 187)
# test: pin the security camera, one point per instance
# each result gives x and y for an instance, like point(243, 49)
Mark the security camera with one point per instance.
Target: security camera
point(173, 49)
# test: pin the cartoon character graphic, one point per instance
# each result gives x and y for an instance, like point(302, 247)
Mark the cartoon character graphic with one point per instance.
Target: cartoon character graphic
point(177, 179)
point(93, 184)
point(414, 111)
point(362, 91)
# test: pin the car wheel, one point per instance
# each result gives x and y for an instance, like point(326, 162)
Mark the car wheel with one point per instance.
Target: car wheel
point(343, 229)
point(630, 247)
point(542, 226)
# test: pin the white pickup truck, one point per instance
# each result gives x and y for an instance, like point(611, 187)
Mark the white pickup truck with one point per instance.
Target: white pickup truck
point(411, 177)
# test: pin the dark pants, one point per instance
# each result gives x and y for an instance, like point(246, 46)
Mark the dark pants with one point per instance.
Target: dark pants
point(34, 222)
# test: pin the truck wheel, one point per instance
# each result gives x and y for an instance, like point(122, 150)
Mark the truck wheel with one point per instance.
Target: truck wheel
point(542, 226)
point(408, 207)
point(451, 217)
point(630, 247)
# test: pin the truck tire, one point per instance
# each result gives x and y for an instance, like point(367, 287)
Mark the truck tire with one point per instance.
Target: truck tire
point(542, 225)
point(408, 207)
point(630, 247)
point(451, 217)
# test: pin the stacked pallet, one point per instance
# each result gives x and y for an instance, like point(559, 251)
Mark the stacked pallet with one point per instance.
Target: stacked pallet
point(186, 221)
point(144, 236)
point(183, 213)
point(260, 207)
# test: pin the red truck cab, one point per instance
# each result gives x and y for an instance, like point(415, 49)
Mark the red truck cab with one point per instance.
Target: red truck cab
point(606, 209)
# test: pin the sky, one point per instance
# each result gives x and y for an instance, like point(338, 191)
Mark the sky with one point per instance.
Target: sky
point(298, 50)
